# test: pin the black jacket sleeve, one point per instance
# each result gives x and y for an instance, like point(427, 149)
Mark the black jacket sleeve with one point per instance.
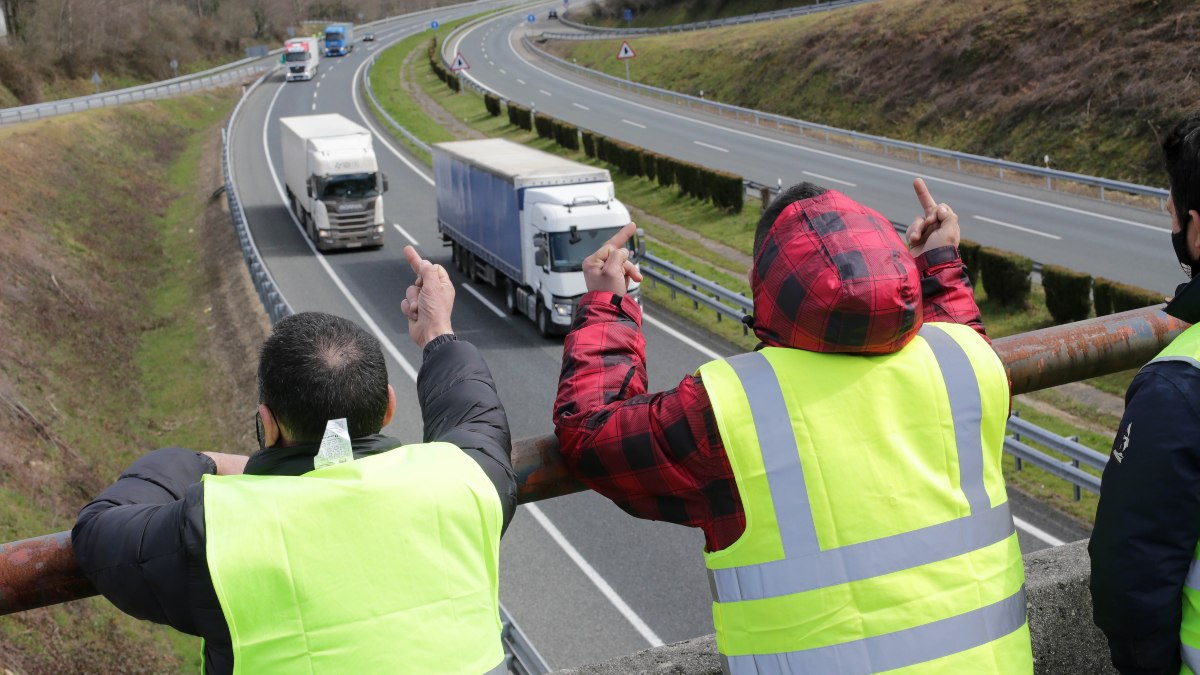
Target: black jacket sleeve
point(1148, 520)
point(460, 405)
point(131, 540)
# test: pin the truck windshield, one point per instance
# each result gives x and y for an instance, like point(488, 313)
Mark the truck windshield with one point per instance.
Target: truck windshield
point(333, 36)
point(566, 256)
point(350, 186)
point(293, 57)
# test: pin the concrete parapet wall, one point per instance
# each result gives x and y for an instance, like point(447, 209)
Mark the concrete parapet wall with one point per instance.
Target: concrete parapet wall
point(1060, 619)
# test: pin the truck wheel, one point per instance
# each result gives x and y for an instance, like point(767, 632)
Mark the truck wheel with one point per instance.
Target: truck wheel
point(510, 296)
point(543, 319)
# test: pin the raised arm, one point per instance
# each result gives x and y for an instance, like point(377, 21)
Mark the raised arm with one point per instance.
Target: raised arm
point(933, 239)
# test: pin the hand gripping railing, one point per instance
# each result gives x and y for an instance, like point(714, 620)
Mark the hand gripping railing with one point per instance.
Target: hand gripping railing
point(822, 130)
point(42, 571)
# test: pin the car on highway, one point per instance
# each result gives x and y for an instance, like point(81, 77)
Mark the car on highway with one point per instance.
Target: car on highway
point(369, 37)
point(553, 14)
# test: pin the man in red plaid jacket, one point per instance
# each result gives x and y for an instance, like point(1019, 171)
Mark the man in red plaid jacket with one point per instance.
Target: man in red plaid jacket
point(659, 456)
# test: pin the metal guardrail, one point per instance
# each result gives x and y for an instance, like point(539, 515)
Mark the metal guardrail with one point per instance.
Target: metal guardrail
point(600, 33)
point(727, 303)
point(520, 655)
point(185, 84)
point(920, 152)
point(272, 299)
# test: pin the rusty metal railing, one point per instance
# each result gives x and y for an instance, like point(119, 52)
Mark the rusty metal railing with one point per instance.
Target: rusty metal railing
point(42, 571)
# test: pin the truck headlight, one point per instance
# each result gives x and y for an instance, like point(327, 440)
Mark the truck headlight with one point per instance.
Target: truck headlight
point(378, 229)
point(564, 309)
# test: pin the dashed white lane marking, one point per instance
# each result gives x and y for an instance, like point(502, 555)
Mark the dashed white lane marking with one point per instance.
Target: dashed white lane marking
point(634, 124)
point(1001, 223)
point(503, 71)
point(407, 236)
point(545, 92)
point(520, 80)
point(580, 106)
point(486, 303)
point(827, 178)
point(706, 145)
point(1038, 532)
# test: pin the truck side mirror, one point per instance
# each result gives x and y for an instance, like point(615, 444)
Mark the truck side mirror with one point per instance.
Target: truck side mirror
point(309, 186)
point(639, 243)
point(385, 183)
point(539, 257)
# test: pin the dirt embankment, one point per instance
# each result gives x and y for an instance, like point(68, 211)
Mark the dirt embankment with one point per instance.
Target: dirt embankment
point(86, 216)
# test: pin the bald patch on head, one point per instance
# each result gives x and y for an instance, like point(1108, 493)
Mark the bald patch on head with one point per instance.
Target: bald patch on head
point(337, 355)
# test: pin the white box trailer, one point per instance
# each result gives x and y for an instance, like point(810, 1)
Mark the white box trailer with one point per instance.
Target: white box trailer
point(301, 58)
point(333, 180)
point(525, 219)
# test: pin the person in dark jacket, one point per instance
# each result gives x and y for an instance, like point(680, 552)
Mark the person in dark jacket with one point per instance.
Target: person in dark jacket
point(1144, 581)
point(149, 544)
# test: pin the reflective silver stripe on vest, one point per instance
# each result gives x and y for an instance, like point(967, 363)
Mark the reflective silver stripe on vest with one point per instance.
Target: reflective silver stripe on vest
point(1193, 576)
point(894, 650)
point(805, 567)
point(500, 669)
point(1185, 359)
point(1190, 656)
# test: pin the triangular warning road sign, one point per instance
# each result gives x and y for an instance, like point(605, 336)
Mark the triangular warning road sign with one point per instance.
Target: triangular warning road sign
point(626, 51)
point(460, 63)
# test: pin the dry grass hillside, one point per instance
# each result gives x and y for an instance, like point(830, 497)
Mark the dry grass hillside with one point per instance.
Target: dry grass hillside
point(126, 323)
point(1092, 83)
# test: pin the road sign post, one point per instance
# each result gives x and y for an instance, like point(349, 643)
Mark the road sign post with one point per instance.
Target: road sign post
point(625, 54)
point(460, 64)
point(96, 80)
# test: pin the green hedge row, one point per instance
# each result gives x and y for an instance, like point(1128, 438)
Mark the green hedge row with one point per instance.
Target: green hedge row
point(1070, 295)
point(723, 189)
point(1114, 296)
point(492, 103)
point(444, 75)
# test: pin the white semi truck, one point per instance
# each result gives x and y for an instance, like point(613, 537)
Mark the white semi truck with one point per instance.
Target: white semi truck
point(333, 181)
point(301, 57)
point(525, 220)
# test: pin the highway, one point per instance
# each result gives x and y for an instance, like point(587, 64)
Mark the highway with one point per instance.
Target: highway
point(584, 580)
point(1103, 239)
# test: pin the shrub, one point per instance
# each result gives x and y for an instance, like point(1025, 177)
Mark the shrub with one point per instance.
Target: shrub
point(492, 103)
point(1005, 276)
point(727, 190)
point(1114, 297)
point(665, 170)
point(454, 83)
point(650, 165)
point(602, 148)
point(589, 144)
point(544, 126)
point(969, 252)
point(1068, 293)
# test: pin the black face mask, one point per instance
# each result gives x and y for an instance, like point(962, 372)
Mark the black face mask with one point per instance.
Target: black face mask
point(1179, 242)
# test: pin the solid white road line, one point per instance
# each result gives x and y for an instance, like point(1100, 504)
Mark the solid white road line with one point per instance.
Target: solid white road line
point(714, 147)
point(1038, 532)
point(486, 303)
point(906, 172)
point(827, 178)
point(406, 235)
point(580, 106)
point(680, 336)
point(634, 124)
point(1018, 227)
point(594, 576)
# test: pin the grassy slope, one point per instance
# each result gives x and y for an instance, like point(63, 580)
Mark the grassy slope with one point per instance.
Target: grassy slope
point(669, 12)
point(1091, 83)
point(101, 290)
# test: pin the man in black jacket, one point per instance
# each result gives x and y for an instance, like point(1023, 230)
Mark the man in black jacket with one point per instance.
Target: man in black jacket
point(143, 541)
point(1148, 521)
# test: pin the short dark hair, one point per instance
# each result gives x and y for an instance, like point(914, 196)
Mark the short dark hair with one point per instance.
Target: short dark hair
point(785, 199)
point(1181, 150)
point(317, 367)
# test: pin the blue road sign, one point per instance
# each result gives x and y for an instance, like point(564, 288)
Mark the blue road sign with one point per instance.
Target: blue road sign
point(531, 18)
point(434, 24)
point(628, 14)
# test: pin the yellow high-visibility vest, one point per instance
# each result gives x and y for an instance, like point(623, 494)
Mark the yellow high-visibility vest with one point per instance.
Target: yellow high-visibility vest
point(878, 535)
point(386, 564)
point(1186, 348)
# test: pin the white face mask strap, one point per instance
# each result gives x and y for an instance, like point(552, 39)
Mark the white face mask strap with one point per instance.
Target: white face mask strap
point(335, 446)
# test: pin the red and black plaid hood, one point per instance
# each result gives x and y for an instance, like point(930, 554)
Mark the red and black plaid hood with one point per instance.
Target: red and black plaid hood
point(833, 276)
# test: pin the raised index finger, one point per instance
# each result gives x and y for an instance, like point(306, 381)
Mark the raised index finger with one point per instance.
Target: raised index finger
point(923, 196)
point(414, 259)
point(622, 236)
